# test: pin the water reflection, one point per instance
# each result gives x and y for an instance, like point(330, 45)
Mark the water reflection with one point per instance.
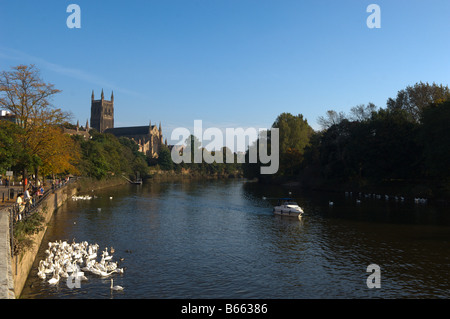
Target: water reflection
point(219, 239)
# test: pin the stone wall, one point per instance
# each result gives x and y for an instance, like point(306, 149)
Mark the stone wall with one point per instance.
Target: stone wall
point(21, 264)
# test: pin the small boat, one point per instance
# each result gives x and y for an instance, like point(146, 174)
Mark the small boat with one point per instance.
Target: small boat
point(137, 182)
point(287, 207)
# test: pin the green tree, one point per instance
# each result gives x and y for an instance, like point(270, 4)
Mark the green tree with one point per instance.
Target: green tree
point(165, 159)
point(9, 148)
point(295, 132)
point(27, 97)
point(435, 138)
point(294, 137)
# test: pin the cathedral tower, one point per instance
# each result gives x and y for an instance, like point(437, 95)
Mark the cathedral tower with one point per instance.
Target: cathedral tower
point(102, 113)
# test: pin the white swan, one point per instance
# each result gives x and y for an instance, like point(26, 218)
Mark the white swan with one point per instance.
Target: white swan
point(64, 258)
point(41, 273)
point(55, 278)
point(117, 288)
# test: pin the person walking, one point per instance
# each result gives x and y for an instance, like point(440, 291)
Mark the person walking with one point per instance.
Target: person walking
point(21, 205)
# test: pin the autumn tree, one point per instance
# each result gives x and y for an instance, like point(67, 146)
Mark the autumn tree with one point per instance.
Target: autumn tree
point(28, 98)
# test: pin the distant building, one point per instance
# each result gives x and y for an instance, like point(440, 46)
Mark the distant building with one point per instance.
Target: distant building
point(7, 116)
point(149, 138)
point(83, 131)
point(102, 113)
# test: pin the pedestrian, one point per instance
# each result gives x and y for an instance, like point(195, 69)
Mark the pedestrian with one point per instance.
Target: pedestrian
point(21, 205)
point(27, 196)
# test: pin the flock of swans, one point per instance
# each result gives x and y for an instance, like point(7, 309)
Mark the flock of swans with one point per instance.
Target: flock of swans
point(417, 200)
point(75, 259)
point(85, 197)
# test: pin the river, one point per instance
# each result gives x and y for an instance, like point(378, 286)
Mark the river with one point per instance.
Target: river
point(220, 239)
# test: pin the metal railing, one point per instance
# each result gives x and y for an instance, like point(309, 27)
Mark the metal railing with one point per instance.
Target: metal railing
point(21, 212)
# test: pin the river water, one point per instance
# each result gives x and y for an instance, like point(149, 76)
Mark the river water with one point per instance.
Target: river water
point(219, 239)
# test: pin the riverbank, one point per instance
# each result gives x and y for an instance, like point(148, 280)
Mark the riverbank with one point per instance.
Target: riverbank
point(183, 174)
point(22, 263)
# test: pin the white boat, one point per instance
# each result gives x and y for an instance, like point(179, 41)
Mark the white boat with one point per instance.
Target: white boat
point(287, 207)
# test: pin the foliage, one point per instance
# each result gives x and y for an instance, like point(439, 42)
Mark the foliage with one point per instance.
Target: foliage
point(435, 138)
point(9, 148)
point(24, 229)
point(295, 132)
point(105, 154)
point(27, 98)
point(164, 159)
point(415, 99)
point(407, 142)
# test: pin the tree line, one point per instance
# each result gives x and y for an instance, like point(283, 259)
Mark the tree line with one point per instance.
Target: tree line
point(33, 141)
point(405, 145)
point(216, 168)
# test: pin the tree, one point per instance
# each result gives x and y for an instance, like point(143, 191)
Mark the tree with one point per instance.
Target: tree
point(415, 99)
point(27, 97)
point(330, 119)
point(362, 112)
point(435, 138)
point(9, 149)
point(165, 159)
point(295, 134)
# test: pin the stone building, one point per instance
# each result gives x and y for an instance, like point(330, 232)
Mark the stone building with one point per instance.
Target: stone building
point(149, 138)
point(83, 131)
point(102, 113)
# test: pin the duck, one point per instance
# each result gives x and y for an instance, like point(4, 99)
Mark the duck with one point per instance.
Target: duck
point(116, 288)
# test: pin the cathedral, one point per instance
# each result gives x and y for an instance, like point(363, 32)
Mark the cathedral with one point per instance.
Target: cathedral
point(149, 138)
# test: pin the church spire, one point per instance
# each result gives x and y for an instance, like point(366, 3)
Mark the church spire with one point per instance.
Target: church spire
point(112, 96)
point(92, 97)
point(103, 96)
point(87, 125)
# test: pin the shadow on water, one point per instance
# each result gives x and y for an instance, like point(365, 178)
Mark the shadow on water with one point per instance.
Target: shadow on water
point(219, 239)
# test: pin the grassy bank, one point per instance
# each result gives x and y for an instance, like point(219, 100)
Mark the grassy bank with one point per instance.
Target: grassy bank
point(184, 174)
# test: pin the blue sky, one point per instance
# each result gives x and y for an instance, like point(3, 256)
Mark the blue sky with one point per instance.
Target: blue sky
point(230, 63)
